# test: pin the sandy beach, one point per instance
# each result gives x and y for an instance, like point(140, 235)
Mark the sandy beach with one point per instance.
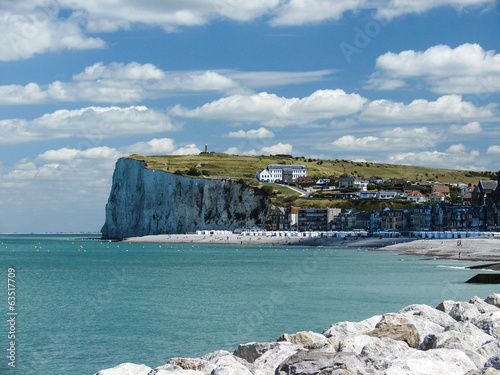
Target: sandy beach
point(468, 249)
point(236, 239)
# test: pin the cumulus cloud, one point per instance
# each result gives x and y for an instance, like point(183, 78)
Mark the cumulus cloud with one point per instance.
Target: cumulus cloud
point(393, 139)
point(394, 8)
point(494, 149)
point(465, 69)
point(273, 110)
point(133, 82)
point(453, 160)
point(90, 123)
point(259, 133)
point(34, 31)
point(35, 27)
point(470, 128)
point(454, 149)
point(279, 148)
point(447, 108)
point(299, 12)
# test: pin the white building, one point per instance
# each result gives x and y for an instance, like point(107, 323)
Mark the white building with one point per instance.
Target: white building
point(282, 173)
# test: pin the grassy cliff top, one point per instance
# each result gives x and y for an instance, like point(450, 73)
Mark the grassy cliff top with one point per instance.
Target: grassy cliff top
point(235, 166)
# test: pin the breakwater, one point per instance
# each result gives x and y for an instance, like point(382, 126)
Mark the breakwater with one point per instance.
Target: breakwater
point(453, 338)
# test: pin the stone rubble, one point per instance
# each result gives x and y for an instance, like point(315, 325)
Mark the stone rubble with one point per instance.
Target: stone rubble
point(460, 338)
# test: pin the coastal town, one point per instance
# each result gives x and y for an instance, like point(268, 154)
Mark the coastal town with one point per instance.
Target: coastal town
point(437, 206)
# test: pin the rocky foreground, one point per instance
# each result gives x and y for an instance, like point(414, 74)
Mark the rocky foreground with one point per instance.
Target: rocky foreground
point(453, 338)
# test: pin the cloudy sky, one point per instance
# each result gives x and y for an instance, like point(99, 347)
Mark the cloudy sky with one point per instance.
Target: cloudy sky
point(83, 83)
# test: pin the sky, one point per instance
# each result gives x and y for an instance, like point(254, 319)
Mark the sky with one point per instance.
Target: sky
point(83, 83)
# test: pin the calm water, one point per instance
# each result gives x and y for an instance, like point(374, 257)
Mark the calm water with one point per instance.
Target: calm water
point(86, 305)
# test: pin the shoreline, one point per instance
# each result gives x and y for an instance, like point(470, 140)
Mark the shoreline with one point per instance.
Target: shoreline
point(473, 249)
point(236, 239)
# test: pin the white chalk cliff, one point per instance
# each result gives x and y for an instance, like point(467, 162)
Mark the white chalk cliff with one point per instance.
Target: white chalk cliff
point(145, 202)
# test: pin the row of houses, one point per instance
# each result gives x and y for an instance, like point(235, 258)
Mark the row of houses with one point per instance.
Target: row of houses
point(433, 217)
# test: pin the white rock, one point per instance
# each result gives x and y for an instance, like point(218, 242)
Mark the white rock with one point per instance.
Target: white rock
point(431, 362)
point(226, 359)
point(271, 359)
point(489, 323)
point(355, 344)
point(493, 299)
point(346, 329)
point(253, 350)
point(126, 369)
point(318, 362)
point(490, 348)
point(380, 354)
point(173, 370)
point(428, 313)
point(483, 306)
point(306, 339)
point(423, 326)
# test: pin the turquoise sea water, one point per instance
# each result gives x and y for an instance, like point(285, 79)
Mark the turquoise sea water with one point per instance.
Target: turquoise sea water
point(84, 305)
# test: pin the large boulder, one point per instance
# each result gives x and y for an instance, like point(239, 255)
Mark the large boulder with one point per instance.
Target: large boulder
point(493, 299)
point(483, 306)
point(306, 339)
point(428, 313)
point(490, 348)
point(422, 325)
point(489, 323)
point(460, 311)
point(222, 358)
point(271, 359)
point(319, 362)
point(126, 369)
point(349, 329)
point(379, 354)
point(399, 332)
point(173, 370)
point(432, 362)
point(253, 350)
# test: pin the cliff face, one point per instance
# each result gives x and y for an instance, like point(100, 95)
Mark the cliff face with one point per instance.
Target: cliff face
point(144, 202)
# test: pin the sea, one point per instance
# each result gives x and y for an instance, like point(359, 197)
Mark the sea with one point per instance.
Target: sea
point(81, 305)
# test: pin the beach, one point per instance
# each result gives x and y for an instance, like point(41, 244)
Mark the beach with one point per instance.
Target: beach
point(238, 239)
point(467, 249)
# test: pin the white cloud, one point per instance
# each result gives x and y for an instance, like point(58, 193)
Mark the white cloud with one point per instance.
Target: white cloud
point(465, 69)
point(133, 82)
point(394, 8)
point(470, 128)
point(299, 12)
point(37, 31)
point(454, 149)
point(35, 27)
point(273, 110)
point(93, 123)
point(447, 108)
point(155, 146)
point(190, 149)
point(259, 133)
point(279, 148)
point(493, 149)
point(392, 139)
point(451, 160)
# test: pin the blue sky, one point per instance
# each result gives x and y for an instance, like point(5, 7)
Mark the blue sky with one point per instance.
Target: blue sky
point(83, 83)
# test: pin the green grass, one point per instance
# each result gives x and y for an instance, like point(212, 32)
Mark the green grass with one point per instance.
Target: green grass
point(235, 166)
point(245, 167)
